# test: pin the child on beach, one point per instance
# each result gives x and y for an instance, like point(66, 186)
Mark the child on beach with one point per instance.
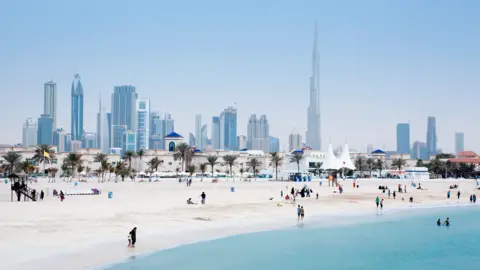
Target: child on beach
point(302, 213)
point(129, 240)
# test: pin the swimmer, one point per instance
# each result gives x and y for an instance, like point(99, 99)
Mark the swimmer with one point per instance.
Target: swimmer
point(447, 222)
point(439, 223)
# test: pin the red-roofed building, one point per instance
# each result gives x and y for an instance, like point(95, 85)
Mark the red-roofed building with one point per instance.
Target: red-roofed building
point(466, 157)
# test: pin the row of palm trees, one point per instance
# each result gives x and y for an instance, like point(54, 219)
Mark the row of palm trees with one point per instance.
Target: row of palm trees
point(44, 154)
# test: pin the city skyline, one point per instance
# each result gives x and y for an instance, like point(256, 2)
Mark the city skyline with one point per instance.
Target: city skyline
point(421, 49)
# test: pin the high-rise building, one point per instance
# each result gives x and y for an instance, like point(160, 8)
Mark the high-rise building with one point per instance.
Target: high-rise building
point(403, 138)
point(313, 136)
point(77, 108)
point(228, 129)
point(274, 144)
point(44, 131)
point(50, 101)
point(108, 115)
point(216, 132)
point(143, 124)
point(62, 140)
point(161, 127)
point(89, 140)
point(198, 131)
point(432, 135)
point(129, 141)
point(294, 141)
point(459, 142)
point(204, 137)
point(29, 133)
point(241, 142)
point(420, 151)
point(103, 129)
point(117, 135)
point(75, 146)
point(191, 139)
point(124, 107)
point(258, 133)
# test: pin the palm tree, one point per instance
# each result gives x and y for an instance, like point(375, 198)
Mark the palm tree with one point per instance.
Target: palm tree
point(254, 164)
point(12, 160)
point(120, 169)
point(111, 170)
point(203, 169)
point(297, 158)
point(212, 160)
point(191, 170)
point(370, 165)
point(181, 152)
point(100, 157)
point(380, 165)
point(104, 166)
point(230, 160)
point(80, 169)
point(140, 154)
point(419, 163)
point(73, 161)
point(399, 163)
point(44, 153)
point(129, 155)
point(361, 164)
point(276, 161)
point(65, 169)
point(154, 163)
point(242, 170)
point(27, 168)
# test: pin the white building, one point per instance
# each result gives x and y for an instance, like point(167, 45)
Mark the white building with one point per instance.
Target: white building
point(143, 123)
point(198, 132)
point(29, 133)
point(294, 141)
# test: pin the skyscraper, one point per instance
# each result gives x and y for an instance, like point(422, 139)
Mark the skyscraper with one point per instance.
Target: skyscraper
point(432, 135)
point(29, 133)
point(50, 101)
point(294, 141)
point(191, 139)
point(274, 144)
point(77, 108)
point(228, 129)
point(420, 151)
point(62, 140)
point(258, 133)
point(124, 105)
point(160, 127)
point(198, 131)
point(129, 141)
point(403, 138)
point(241, 142)
point(216, 132)
point(44, 131)
point(89, 140)
point(204, 137)
point(143, 124)
point(103, 129)
point(313, 137)
point(459, 142)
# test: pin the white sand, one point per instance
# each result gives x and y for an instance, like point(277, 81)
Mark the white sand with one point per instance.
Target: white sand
point(85, 231)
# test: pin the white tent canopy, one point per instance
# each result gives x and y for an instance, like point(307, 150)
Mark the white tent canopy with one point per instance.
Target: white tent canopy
point(330, 162)
point(345, 160)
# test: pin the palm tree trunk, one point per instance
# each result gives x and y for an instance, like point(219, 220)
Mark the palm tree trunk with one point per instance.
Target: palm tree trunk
point(276, 173)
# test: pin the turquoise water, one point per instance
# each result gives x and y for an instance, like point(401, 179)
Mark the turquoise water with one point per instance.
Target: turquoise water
point(402, 240)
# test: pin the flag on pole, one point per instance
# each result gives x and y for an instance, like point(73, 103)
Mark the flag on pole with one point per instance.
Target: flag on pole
point(46, 154)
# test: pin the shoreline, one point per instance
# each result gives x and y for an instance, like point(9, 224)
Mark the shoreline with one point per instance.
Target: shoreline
point(94, 239)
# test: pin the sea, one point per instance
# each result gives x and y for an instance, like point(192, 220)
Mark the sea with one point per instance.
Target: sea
point(408, 239)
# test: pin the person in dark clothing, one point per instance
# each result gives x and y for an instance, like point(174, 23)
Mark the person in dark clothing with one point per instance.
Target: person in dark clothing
point(293, 191)
point(34, 194)
point(447, 222)
point(133, 236)
point(439, 223)
point(204, 196)
point(42, 195)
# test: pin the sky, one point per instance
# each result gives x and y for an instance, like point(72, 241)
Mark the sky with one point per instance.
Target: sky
point(381, 63)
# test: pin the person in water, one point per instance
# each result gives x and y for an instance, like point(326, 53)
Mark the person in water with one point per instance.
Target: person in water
point(447, 222)
point(439, 223)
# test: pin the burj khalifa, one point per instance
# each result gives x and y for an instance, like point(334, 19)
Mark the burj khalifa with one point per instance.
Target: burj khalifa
point(313, 139)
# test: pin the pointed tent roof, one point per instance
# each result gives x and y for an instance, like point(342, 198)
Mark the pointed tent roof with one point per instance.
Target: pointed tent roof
point(378, 152)
point(345, 160)
point(330, 162)
point(174, 135)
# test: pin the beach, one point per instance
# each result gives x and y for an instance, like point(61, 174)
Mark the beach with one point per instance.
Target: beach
point(87, 231)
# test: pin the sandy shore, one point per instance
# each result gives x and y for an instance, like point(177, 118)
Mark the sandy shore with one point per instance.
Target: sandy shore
point(87, 231)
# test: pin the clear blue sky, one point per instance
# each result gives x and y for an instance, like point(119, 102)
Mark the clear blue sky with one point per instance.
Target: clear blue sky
point(382, 62)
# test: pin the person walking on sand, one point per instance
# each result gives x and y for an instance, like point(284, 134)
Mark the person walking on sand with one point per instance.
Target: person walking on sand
point(299, 212)
point(302, 213)
point(377, 201)
point(133, 236)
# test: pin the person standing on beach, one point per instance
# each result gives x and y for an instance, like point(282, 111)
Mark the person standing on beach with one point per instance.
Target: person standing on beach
point(377, 201)
point(448, 194)
point(394, 194)
point(299, 212)
point(133, 236)
point(389, 193)
point(302, 213)
point(42, 195)
point(474, 198)
point(405, 188)
point(281, 193)
point(458, 195)
point(381, 204)
point(204, 197)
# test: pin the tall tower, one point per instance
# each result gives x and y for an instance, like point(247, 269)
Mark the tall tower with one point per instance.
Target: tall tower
point(432, 135)
point(313, 138)
point(50, 101)
point(198, 132)
point(77, 109)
